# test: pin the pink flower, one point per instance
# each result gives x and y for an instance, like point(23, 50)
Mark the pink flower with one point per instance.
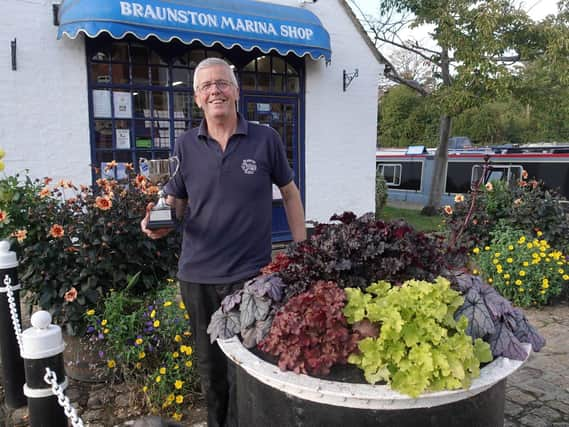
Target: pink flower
point(489, 186)
point(448, 209)
point(70, 295)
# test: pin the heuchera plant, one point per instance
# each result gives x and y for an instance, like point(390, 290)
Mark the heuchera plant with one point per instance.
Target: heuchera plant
point(420, 345)
point(359, 251)
point(493, 318)
point(310, 333)
point(248, 312)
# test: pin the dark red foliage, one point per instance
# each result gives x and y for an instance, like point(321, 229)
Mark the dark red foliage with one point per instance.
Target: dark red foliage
point(359, 251)
point(310, 334)
point(280, 262)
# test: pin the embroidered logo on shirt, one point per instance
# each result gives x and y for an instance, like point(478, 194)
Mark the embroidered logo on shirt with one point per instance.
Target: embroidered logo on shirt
point(249, 166)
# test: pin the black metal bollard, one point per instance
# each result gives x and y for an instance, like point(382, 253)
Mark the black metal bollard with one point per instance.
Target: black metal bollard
point(12, 363)
point(43, 348)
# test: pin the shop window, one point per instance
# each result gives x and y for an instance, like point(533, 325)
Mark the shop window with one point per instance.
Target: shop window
point(140, 102)
point(270, 74)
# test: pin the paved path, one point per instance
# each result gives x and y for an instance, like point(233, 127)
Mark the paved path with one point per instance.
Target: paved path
point(538, 394)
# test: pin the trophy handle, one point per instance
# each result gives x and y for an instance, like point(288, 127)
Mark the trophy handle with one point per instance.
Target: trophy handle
point(143, 166)
point(176, 160)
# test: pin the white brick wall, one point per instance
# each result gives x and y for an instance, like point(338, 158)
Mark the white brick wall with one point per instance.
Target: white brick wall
point(44, 123)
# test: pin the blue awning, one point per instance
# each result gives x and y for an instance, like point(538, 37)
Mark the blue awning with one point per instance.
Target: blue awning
point(245, 23)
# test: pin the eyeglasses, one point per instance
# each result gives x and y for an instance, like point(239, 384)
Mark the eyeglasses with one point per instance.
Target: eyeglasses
point(222, 85)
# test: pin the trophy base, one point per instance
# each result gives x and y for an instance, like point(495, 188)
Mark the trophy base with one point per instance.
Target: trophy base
point(161, 218)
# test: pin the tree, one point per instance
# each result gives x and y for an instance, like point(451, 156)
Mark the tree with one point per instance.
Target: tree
point(476, 44)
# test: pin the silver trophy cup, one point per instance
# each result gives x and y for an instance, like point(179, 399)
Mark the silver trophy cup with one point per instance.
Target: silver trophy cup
point(159, 172)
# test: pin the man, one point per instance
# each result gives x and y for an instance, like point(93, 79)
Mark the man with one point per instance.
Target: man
point(224, 192)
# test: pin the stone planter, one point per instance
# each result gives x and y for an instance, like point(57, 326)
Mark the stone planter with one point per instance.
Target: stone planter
point(268, 396)
point(82, 360)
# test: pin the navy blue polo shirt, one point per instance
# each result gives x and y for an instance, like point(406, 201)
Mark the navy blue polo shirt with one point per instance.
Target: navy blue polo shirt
point(227, 223)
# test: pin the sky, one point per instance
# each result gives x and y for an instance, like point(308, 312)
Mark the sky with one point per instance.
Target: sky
point(537, 9)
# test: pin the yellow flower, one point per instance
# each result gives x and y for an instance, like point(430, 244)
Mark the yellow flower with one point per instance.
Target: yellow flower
point(518, 282)
point(497, 254)
point(179, 399)
point(186, 316)
point(145, 389)
point(177, 338)
point(539, 234)
point(522, 273)
point(188, 350)
point(566, 277)
point(90, 312)
point(475, 272)
point(187, 333)
point(509, 260)
point(138, 365)
point(525, 263)
point(103, 322)
point(188, 364)
point(182, 305)
point(545, 286)
point(561, 271)
point(545, 281)
point(170, 398)
point(521, 289)
point(167, 303)
point(522, 240)
point(158, 379)
point(175, 354)
point(495, 261)
point(153, 314)
point(486, 248)
point(176, 416)
point(106, 330)
point(111, 364)
point(163, 371)
point(490, 280)
point(530, 245)
point(176, 367)
point(138, 341)
point(156, 323)
point(476, 250)
point(542, 292)
point(511, 247)
point(507, 276)
point(178, 384)
point(141, 355)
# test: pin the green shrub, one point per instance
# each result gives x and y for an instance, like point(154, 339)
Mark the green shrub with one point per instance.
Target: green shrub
point(79, 243)
point(527, 205)
point(527, 271)
point(380, 192)
point(147, 342)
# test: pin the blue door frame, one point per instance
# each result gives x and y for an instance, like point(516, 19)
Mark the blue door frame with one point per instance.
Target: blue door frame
point(282, 114)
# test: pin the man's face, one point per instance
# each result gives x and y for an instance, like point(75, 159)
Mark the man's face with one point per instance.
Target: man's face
point(215, 93)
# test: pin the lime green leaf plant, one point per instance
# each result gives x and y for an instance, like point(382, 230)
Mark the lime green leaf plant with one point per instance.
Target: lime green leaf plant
point(420, 347)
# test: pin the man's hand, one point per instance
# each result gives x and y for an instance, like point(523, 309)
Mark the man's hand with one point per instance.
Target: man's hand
point(156, 233)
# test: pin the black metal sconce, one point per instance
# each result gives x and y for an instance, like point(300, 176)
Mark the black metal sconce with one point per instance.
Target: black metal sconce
point(13, 50)
point(348, 77)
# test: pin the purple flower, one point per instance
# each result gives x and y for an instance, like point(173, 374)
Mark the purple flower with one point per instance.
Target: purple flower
point(101, 354)
point(101, 336)
point(90, 329)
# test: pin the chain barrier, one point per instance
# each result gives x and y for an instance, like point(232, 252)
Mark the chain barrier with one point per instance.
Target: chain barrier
point(50, 377)
point(13, 310)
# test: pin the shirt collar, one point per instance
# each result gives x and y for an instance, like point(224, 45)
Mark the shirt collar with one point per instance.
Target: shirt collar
point(242, 127)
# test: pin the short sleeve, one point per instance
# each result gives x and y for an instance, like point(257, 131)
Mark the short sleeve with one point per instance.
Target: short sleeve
point(281, 173)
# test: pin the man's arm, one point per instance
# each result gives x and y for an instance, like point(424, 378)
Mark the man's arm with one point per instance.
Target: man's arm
point(179, 204)
point(294, 211)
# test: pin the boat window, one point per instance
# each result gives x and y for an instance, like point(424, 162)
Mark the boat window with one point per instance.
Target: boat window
point(509, 173)
point(391, 173)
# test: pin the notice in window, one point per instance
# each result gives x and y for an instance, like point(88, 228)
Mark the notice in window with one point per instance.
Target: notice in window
point(122, 139)
point(123, 105)
point(101, 103)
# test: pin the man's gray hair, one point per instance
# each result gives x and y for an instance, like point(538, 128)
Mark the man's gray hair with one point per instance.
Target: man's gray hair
point(214, 62)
